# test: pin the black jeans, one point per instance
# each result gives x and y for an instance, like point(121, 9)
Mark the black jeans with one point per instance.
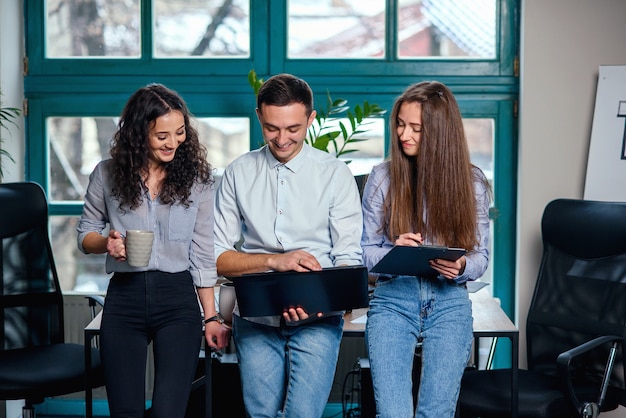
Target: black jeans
point(145, 307)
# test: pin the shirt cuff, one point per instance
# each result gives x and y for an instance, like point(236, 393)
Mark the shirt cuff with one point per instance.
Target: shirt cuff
point(204, 278)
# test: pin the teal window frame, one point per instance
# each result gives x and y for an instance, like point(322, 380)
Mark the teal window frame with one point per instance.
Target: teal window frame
point(485, 88)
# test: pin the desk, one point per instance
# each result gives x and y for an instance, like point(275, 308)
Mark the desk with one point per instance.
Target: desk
point(489, 321)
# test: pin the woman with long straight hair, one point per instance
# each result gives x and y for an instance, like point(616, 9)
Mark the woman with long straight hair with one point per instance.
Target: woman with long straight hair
point(426, 193)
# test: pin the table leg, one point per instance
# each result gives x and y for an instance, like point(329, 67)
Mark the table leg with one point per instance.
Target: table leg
point(208, 385)
point(514, 375)
point(88, 383)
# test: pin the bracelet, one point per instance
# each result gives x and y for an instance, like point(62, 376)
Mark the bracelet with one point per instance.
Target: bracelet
point(215, 318)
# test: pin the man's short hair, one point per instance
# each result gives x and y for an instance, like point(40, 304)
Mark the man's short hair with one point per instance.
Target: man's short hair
point(283, 90)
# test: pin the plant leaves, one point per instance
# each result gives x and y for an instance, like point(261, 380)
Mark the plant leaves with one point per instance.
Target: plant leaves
point(348, 151)
point(323, 131)
point(359, 113)
point(344, 131)
point(322, 142)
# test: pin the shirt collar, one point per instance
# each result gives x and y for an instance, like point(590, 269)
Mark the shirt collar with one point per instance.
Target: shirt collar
point(294, 164)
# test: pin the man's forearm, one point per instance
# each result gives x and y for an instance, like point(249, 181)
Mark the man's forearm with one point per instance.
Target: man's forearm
point(233, 263)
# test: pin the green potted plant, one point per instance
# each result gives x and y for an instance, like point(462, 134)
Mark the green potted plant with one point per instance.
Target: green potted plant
point(7, 116)
point(326, 131)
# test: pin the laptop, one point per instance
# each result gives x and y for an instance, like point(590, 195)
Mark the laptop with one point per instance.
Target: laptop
point(330, 289)
point(414, 261)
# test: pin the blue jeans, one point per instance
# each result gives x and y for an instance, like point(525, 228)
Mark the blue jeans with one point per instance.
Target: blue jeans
point(287, 371)
point(406, 311)
point(145, 307)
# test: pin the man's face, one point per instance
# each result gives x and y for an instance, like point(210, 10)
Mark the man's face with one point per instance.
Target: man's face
point(284, 129)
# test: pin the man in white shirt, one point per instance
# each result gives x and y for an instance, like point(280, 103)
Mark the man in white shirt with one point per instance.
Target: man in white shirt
point(296, 208)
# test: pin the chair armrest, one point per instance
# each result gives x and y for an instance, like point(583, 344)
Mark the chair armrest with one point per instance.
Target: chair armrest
point(95, 299)
point(563, 366)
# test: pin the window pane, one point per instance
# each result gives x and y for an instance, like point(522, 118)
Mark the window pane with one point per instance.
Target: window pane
point(77, 271)
point(91, 28)
point(225, 139)
point(480, 139)
point(213, 28)
point(446, 28)
point(368, 152)
point(76, 145)
point(336, 29)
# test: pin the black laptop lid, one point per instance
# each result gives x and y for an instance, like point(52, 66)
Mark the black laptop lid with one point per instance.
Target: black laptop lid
point(331, 289)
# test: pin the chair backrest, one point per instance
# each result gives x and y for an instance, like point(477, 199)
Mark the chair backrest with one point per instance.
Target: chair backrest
point(31, 303)
point(581, 287)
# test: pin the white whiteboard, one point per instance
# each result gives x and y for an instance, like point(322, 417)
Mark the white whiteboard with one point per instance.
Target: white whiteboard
point(606, 164)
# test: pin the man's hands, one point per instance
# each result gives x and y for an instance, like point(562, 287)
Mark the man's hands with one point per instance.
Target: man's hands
point(232, 263)
point(298, 260)
point(301, 261)
point(297, 314)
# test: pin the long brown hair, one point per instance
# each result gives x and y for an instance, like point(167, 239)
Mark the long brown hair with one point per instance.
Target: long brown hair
point(432, 193)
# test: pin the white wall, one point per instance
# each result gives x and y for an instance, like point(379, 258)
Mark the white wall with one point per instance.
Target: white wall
point(563, 44)
point(12, 83)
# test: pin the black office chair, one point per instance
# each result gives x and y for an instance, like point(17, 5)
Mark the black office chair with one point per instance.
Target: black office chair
point(576, 324)
point(35, 363)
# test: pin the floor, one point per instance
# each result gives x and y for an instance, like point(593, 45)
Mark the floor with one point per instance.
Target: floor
point(332, 411)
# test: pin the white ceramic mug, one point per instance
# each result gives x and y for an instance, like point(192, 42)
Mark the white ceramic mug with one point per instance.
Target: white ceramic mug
point(227, 301)
point(139, 247)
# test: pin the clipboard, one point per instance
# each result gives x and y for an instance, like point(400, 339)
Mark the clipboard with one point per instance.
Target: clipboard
point(413, 261)
point(330, 289)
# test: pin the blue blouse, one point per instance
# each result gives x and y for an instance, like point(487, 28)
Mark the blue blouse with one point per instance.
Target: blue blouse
point(376, 244)
point(183, 236)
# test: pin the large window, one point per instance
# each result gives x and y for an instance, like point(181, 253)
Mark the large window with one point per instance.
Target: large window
point(85, 58)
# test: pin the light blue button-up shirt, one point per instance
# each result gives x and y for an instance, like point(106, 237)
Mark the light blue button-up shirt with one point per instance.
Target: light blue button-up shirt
point(311, 203)
point(183, 236)
point(376, 244)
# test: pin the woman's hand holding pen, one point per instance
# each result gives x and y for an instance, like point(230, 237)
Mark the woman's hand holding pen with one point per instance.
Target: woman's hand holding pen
point(410, 239)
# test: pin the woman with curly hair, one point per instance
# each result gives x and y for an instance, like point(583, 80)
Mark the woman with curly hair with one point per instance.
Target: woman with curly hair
point(428, 193)
point(157, 179)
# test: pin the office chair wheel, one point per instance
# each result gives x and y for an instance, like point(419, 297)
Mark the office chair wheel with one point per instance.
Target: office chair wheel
point(590, 410)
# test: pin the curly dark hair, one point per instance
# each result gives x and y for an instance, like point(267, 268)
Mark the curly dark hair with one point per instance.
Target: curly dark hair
point(129, 150)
